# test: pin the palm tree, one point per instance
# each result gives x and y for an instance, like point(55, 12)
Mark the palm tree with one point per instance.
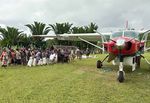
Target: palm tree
point(10, 36)
point(38, 28)
point(76, 30)
point(25, 41)
point(61, 28)
point(92, 28)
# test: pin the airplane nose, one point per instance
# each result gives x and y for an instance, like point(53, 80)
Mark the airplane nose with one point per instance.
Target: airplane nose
point(120, 43)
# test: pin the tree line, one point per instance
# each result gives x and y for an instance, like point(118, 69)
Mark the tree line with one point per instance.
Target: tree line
point(11, 36)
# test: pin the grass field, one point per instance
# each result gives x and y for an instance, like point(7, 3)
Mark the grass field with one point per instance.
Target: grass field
point(76, 82)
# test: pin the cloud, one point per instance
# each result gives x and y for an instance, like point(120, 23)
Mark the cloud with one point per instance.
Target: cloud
point(105, 13)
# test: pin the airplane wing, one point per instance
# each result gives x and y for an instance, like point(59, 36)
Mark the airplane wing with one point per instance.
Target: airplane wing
point(75, 37)
point(86, 37)
point(143, 31)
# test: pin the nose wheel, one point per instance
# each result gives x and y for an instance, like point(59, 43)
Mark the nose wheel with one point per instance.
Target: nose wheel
point(121, 76)
point(99, 64)
point(121, 73)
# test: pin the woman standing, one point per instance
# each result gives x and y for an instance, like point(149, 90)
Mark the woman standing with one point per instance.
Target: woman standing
point(4, 58)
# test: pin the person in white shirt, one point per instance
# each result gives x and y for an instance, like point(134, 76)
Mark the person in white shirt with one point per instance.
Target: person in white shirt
point(53, 57)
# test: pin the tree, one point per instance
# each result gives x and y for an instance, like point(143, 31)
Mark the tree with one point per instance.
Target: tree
point(92, 28)
point(76, 30)
point(10, 36)
point(85, 29)
point(38, 28)
point(25, 41)
point(61, 28)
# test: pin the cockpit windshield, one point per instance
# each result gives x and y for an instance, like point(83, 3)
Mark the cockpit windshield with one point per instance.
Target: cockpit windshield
point(131, 34)
point(116, 34)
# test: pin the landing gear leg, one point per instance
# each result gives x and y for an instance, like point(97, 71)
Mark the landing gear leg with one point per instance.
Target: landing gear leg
point(138, 60)
point(134, 67)
point(121, 73)
point(134, 64)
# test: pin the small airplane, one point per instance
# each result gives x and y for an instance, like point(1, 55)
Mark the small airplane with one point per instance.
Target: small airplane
point(124, 47)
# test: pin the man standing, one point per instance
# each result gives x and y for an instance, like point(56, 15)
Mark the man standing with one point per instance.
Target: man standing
point(18, 56)
point(87, 52)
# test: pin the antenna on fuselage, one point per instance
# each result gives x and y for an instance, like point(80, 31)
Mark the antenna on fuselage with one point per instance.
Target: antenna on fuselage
point(127, 25)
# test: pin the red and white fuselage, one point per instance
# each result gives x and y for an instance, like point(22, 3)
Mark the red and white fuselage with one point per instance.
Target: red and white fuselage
point(124, 44)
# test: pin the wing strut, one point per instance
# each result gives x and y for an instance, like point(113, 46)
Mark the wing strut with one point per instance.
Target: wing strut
point(146, 49)
point(91, 44)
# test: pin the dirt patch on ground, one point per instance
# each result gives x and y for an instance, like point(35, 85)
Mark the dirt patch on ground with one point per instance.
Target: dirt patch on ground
point(86, 69)
point(79, 71)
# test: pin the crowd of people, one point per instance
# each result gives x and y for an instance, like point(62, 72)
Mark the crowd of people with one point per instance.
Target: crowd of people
point(34, 57)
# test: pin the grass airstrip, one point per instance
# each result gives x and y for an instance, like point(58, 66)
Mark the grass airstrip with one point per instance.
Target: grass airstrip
point(76, 82)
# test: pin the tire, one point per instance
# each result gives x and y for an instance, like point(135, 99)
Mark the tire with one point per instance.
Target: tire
point(99, 64)
point(121, 76)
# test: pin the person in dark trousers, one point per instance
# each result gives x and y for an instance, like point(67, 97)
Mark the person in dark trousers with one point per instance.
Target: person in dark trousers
point(23, 57)
point(87, 52)
point(18, 57)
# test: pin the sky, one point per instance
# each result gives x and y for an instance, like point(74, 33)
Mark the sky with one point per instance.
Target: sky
point(107, 14)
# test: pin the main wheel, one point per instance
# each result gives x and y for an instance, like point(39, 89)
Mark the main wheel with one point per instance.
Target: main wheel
point(121, 76)
point(99, 64)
